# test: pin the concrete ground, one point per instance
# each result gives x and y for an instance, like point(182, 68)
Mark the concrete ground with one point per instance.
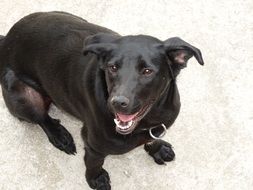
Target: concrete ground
point(213, 135)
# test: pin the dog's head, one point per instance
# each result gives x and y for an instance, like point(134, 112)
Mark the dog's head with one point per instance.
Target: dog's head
point(137, 70)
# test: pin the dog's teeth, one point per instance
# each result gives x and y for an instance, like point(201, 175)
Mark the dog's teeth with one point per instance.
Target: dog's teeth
point(117, 122)
point(123, 127)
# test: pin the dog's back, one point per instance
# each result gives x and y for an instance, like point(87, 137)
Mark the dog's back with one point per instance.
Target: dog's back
point(40, 33)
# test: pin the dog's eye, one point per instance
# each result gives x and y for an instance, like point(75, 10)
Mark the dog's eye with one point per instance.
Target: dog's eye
point(147, 72)
point(113, 68)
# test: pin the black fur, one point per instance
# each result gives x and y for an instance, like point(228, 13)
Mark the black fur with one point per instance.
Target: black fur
point(94, 74)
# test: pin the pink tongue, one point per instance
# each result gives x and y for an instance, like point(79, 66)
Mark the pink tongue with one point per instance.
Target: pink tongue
point(126, 118)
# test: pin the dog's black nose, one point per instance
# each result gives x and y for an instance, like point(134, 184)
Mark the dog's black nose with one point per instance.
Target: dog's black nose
point(120, 101)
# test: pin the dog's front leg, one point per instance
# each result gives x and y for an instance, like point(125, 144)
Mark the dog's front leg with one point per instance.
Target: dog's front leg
point(96, 176)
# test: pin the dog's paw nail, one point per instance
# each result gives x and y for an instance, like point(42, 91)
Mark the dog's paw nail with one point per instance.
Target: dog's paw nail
point(158, 159)
point(70, 149)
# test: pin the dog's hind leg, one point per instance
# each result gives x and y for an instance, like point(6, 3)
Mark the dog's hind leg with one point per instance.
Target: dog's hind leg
point(25, 103)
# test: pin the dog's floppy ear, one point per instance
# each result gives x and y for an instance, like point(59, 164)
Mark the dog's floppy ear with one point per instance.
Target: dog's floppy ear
point(100, 49)
point(100, 44)
point(179, 52)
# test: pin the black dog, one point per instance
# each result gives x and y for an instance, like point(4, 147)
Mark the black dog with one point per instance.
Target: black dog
point(118, 86)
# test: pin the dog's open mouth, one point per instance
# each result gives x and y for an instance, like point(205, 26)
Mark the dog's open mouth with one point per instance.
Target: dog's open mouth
point(125, 124)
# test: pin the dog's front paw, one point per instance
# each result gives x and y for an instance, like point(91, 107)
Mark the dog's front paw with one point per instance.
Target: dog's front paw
point(161, 151)
point(62, 139)
point(101, 182)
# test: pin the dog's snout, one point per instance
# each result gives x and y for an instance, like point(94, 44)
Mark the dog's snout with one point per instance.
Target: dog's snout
point(120, 101)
